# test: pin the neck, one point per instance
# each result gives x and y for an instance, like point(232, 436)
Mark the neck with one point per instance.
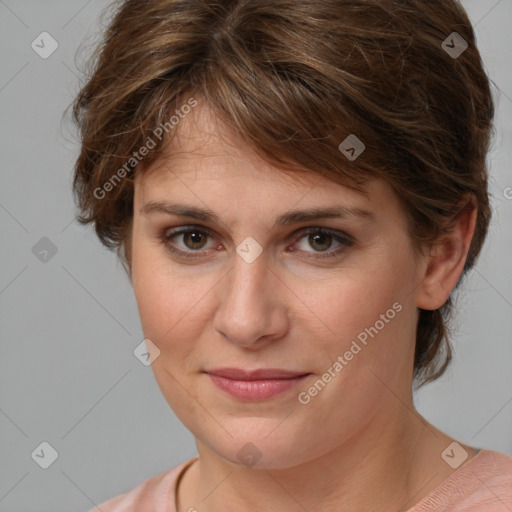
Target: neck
point(391, 464)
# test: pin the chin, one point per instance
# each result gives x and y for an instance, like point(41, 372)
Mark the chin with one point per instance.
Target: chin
point(257, 443)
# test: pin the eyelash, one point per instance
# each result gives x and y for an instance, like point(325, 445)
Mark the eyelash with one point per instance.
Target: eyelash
point(343, 239)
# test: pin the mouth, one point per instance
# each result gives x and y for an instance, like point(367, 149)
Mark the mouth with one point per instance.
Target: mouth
point(254, 385)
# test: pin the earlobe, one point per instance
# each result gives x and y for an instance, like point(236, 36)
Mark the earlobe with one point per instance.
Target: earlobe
point(446, 260)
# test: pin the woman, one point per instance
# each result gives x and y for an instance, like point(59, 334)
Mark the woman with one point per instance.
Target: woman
point(295, 187)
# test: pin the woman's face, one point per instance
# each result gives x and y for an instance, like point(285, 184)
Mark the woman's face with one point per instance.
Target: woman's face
point(331, 298)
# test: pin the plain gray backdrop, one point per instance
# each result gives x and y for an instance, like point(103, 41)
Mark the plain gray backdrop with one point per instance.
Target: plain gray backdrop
point(69, 324)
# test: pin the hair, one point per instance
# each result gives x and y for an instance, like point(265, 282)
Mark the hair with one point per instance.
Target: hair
point(295, 78)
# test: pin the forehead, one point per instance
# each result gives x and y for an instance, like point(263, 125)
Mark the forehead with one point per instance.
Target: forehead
point(207, 163)
point(203, 142)
point(203, 146)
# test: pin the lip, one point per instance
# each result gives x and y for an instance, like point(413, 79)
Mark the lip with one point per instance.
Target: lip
point(259, 384)
point(257, 374)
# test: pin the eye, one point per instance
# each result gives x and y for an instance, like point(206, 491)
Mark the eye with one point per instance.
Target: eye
point(322, 239)
point(194, 239)
point(194, 242)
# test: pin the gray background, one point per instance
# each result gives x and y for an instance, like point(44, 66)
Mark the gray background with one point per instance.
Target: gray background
point(69, 324)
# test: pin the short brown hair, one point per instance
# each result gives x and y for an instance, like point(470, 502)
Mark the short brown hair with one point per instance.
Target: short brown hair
point(294, 78)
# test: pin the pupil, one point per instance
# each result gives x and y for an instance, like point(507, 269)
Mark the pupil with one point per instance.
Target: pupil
point(321, 236)
point(195, 237)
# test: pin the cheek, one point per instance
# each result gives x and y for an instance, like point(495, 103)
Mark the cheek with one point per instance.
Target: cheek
point(357, 300)
point(172, 303)
point(159, 297)
point(372, 329)
point(369, 315)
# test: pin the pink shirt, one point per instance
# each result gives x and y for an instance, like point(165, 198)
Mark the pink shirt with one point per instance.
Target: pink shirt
point(484, 484)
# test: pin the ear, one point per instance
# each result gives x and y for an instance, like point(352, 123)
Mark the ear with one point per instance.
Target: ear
point(445, 263)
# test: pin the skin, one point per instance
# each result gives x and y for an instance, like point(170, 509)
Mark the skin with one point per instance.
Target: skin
point(288, 310)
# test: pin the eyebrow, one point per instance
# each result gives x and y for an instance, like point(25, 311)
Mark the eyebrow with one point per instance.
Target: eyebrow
point(291, 217)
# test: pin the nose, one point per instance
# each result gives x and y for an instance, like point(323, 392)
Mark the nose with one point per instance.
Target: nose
point(252, 311)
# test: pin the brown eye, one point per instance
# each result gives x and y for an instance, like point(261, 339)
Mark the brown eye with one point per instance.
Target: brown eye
point(188, 242)
point(194, 239)
point(321, 240)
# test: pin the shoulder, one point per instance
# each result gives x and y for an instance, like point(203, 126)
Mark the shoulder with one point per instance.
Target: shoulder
point(484, 483)
point(494, 476)
point(495, 464)
point(156, 494)
point(489, 475)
